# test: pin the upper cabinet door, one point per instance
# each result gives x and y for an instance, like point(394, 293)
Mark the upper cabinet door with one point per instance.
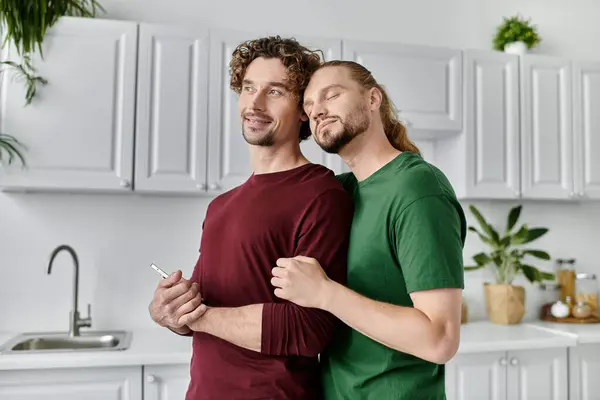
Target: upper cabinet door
point(172, 114)
point(492, 125)
point(424, 83)
point(546, 128)
point(79, 128)
point(586, 129)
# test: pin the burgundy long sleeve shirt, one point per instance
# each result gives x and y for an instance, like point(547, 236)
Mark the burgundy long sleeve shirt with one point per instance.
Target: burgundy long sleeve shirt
point(303, 211)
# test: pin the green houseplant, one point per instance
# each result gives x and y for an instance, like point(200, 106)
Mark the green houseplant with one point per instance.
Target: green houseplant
point(505, 302)
point(516, 35)
point(25, 24)
point(10, 148)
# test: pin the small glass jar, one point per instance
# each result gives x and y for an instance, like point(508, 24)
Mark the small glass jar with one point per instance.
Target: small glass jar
point(587, 291)
point(566, 277)
point(582, 310)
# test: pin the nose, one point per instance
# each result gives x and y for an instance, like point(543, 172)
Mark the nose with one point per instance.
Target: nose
point(257, 102)
point(317, 111)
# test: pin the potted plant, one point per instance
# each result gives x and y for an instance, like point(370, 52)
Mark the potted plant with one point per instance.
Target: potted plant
point(505, 302)
point(516, 35)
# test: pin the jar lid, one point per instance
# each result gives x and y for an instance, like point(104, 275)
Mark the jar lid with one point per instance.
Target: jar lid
point(583, 275)
point(549, 285)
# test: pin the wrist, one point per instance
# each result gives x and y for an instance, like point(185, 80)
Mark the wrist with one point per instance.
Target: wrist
point(330, 292)
point(184, 330)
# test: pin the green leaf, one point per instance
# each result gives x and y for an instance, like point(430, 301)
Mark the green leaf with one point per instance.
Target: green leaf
point(513, 216)
point(538, 254)
point(532, 273)
point(534, 234)
point(473, 267)
point(483, 238)
point(547, 276)
point(520, 236)
point(487, 228)
point(482, 259)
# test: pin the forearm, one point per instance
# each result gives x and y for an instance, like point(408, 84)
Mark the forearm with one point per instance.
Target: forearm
point(404, 329)
point(241, 326)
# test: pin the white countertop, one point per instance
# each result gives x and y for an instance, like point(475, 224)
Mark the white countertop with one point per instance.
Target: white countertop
point(160, 346)
point(584, 333)
point(152, 346)
point(483, 336)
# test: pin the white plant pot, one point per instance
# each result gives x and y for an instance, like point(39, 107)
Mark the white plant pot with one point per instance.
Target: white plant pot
point(519, 48)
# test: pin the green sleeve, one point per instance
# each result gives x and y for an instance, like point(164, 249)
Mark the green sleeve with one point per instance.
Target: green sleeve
point(429, 243)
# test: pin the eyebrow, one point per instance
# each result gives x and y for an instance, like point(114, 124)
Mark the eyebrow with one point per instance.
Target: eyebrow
point(272, 84)
point(325, 89)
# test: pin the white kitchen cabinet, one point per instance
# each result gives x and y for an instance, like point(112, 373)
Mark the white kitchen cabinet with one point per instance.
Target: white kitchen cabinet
point(586, 129)
point(79, 129)
point(476, 377)
point(166, 382)
point(424, 83)
point(514, 375)
point(172, 114)
point(546, 127)
point(584, 372)
point(105, 383)
point(483, 162)
point(228, 156)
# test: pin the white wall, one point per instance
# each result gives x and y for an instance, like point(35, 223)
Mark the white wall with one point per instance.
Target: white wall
point(117, 236)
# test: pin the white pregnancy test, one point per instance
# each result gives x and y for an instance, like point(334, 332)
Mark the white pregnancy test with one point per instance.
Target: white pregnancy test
point(160, 271)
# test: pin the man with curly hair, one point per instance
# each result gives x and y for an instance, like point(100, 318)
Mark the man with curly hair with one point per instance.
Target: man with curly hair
point(247, 343)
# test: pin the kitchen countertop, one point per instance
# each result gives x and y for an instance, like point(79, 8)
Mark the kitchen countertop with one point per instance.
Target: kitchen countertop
point(483, 336)
point(584, 333)
point(160, 346)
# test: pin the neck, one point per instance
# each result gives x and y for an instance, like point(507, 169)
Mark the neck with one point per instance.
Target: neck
point(276, 158)
point(368, 152)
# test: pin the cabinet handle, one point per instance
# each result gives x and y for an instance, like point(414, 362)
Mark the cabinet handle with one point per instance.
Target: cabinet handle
point(214, 186)
point(201, 186)
point(571, 195)
point(503, 361)
point(125, 183)
point(150, 379)
point(514, 361)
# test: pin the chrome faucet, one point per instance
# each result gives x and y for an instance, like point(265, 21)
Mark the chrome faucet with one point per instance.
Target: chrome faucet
point(74, 321)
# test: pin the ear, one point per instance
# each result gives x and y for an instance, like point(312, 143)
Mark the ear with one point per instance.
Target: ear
point(303, 117)
point(375, 99)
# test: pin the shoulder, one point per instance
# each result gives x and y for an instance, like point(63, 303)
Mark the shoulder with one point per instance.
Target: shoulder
point(417, 179)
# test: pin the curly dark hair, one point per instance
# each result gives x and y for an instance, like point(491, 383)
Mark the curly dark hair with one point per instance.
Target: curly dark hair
point(299, 61)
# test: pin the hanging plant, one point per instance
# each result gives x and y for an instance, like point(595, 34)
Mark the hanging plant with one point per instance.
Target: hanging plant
point(24, 25)
point(10, 148)
point(26, 22)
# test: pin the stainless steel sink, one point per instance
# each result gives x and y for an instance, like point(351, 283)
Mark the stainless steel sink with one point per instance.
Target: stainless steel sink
point(63, 342)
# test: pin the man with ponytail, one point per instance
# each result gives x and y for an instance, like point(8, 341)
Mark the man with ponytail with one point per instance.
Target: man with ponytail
point(402, 302)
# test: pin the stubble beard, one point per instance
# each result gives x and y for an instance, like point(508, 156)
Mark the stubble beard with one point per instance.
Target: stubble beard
point(357, 123)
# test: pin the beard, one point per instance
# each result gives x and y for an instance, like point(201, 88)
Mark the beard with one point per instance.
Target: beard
point(263, 136)
point(332, 141)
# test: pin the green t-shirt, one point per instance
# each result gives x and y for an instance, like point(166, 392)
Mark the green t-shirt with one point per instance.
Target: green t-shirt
point(407, 235)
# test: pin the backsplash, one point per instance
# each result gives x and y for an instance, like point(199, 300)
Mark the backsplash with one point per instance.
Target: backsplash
point(117, 236)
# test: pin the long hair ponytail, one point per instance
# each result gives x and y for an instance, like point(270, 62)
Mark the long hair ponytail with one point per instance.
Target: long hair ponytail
point(393, 128)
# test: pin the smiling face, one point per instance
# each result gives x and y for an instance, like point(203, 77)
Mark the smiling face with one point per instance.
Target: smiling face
point(338, 108)
point(268, 107)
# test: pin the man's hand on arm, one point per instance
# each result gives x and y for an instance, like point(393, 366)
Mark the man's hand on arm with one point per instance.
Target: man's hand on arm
point(174, 298)
point(283, 328)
